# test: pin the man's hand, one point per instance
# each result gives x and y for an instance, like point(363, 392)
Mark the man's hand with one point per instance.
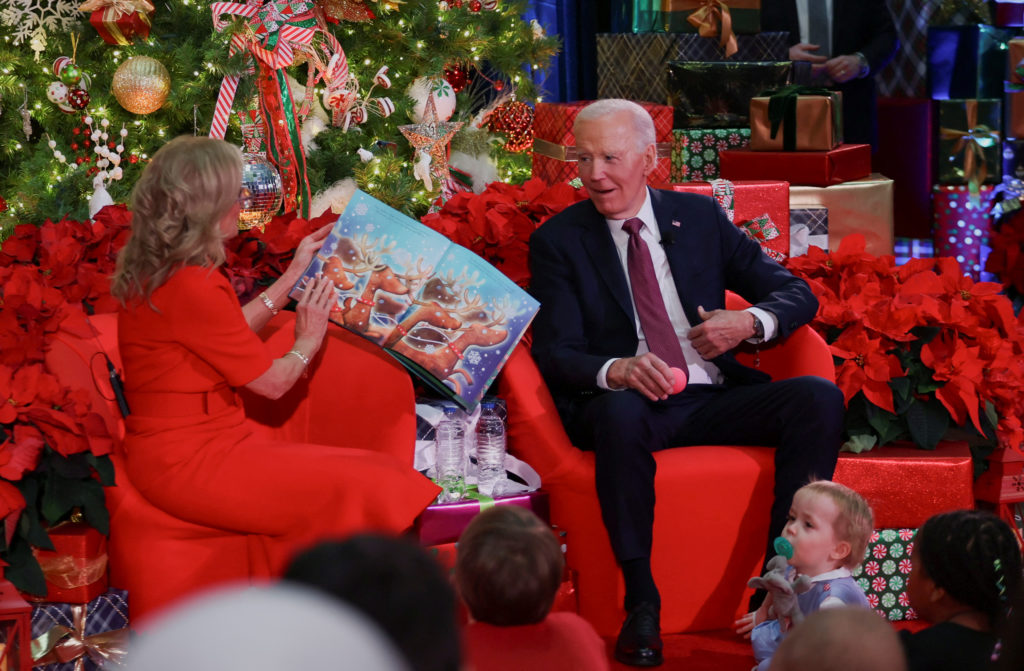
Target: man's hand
point(805, 52)
point(645, 373)
point(720, 331)
point(842, 69)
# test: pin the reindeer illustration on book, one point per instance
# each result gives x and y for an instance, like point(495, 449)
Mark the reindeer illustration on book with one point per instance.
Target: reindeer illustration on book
point(445, 313)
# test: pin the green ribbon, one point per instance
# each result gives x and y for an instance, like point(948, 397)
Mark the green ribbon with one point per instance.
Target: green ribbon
point(782, 110)
point(473, 492)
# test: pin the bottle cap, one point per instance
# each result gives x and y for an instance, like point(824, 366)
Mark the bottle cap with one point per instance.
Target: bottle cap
point(450, 409)
point(783, 547)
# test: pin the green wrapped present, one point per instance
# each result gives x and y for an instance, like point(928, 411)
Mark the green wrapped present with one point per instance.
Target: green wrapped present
point(695, 151)
point(884, 572)
point(718, 94)
point(969, 147)
point(713, 18)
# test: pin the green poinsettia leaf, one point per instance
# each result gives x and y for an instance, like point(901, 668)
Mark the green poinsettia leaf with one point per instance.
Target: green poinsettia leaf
point(74, 467)
point(30, 527)
point(927, 422)
point(61, 496)
point(104, 468)
point(23, 570)
point(94, 508)
point(859, 443)
point(887, 426)
point(901, 393)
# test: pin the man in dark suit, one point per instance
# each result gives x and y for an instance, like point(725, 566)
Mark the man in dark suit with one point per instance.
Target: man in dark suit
point(607, 363)
point(847, 42)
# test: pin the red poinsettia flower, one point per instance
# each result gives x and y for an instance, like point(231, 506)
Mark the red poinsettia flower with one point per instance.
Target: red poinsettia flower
point(958, 364)
point(21, 455)
point(867, 366)
point(11, 504)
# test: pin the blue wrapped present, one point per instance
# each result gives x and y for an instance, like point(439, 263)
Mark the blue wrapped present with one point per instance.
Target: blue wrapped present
point(80, 637)
point(967, 61)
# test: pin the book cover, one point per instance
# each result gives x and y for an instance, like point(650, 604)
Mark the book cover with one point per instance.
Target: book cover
point(445, 313)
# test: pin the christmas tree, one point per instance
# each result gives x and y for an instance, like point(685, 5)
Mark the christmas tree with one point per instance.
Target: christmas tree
point(87, 96)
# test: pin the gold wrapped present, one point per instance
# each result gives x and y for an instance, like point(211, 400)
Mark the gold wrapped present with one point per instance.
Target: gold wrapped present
point(790, 120)
point(862, 206)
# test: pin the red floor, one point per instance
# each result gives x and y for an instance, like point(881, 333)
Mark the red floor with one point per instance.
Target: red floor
point(706, 651)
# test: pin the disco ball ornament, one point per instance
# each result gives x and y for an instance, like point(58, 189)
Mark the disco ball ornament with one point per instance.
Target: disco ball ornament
point(263, 181)
point(141, 84)
point(515, 120)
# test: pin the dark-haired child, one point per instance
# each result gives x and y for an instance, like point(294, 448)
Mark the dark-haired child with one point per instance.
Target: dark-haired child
point(508, 570)
point(966, 565)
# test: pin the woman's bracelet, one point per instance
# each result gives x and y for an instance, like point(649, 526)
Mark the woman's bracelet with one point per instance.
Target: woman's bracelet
point(302, 357)
point(270, 306)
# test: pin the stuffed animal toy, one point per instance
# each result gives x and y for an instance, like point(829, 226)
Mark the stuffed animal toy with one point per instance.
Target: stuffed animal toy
point(785, 607)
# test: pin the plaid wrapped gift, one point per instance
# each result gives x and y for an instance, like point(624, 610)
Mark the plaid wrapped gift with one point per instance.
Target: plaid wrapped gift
point(695, 151)
point(1013, 159)
point(905, 249)
point(808, 227)
point(80, 637)
point(906, 74)
point(963, 226)
point(632, 66)
point(966, 61)
point(717, 95)
point(883, 575)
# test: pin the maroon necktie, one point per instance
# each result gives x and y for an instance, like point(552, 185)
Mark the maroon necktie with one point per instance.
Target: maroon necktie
point(650, 306)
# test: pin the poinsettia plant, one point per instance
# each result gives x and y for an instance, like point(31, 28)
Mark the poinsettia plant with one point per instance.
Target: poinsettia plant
point(54, 445)
point(919, 348)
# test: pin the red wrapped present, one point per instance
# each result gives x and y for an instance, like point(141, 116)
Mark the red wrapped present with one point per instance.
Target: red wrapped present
point(906, 485)
point(1014, 95)
point(760, 208)
point(1016, 59)
point(862, 206)
point(118, 21)
point(76, 569)
point(1003, 482)
point(443, 522)
point(554, 143)
point(963, 226)
point(845, 163)
point(1009, 13)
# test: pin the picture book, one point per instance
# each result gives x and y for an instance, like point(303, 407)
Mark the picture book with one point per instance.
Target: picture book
point(442, 311)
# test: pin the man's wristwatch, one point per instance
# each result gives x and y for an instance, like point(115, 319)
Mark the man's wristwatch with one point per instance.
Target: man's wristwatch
point(758, 329)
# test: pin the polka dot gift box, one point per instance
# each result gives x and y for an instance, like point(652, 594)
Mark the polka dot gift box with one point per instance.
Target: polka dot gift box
point(962, 226)
point(883, 575)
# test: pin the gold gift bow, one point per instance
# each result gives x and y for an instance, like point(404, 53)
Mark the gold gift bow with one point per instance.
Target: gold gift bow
point(705, 19)
point(67, 572)
point(973, 142)
point(122, 6)
point(62, 644)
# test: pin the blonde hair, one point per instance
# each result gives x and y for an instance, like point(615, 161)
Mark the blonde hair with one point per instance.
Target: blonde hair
point(640, 119)
point(855, 522)
point(177, 206)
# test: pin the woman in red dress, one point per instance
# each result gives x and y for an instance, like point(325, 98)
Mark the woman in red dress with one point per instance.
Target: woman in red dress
point(187, 345)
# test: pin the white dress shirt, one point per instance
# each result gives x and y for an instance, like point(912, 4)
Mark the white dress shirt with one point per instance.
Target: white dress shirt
point(699, 370)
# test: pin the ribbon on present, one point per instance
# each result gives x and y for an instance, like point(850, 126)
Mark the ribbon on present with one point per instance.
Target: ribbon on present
point(275, 31)
point(762, 229)
point(972, 142)
point(724, 192)
point(712, 19)
point(112, 11)
point(64, 644)
point(1007, 197)
point(119, 7)
point(782, 110)
point(67, 572)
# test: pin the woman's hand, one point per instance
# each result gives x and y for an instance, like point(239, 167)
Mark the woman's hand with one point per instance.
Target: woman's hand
point(308, 246)
point(312, 311)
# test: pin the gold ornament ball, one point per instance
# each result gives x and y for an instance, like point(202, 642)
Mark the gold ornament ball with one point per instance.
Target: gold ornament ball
point(141, 84)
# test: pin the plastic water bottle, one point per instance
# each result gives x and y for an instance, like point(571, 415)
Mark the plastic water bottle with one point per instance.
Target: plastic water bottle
point(451, 458)
point(490, 451)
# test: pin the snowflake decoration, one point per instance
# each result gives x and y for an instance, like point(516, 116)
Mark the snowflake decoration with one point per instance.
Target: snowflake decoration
point(32, 19)
point(429, 349)
point(473, 357)
point(362, 209)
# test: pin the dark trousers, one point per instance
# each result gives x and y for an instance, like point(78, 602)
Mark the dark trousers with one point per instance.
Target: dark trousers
point(801, 417)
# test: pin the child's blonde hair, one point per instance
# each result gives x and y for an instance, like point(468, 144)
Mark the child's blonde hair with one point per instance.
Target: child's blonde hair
point(855, 522)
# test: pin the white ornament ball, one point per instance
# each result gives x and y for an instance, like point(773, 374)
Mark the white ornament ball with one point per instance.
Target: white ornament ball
point(51, 144)
point(57, 93)
point(115, 159)
point(119, 148)
point(116, 173)
point(88, 120)
point(124, 132)
point(444, 98)
point(105, 123)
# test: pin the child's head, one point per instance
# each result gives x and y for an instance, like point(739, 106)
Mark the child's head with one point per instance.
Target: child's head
point(509, 567)
point(850, 638)
point(963, 559)
point(829, 526)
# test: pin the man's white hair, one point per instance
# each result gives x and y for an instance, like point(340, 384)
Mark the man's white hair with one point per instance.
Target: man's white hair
point(642, 124)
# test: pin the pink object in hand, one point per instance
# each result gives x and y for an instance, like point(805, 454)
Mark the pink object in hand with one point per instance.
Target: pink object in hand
point(679, 380)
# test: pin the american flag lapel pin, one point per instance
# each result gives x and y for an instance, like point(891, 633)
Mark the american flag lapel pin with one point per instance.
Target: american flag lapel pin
point(675, 222)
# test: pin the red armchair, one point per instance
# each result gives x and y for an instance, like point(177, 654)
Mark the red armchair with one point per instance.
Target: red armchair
point(160, 559)
point(711, 516)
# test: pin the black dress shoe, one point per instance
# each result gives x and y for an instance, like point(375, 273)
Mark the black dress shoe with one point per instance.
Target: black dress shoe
point(639, 642)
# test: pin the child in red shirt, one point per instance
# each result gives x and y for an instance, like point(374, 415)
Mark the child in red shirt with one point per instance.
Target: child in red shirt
point(508, 570)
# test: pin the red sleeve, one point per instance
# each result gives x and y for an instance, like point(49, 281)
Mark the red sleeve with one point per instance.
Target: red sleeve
point(208, 320)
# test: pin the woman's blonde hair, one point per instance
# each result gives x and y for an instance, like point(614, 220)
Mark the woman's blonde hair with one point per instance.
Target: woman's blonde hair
point(177, 206)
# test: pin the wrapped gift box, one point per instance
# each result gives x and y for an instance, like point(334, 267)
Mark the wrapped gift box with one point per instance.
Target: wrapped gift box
point(1014, 122)
point(1013, 158)
point(884, 572)
point(904, 76)
point(76, 569)
point(717, 95)
point(808, 227)
point(906, 485)
point(966, 61)
point(1015, 60)
point(968, 147)
point(118, 27)
point(695, 151)
point(963, 226)
point(845, 163)
point(1009, 13)
point(905, 249)
point(745, 16)
point(810, 123)
point(861, 206)
point(632, 66)
point(904, 153)
point(443, 522)
point(1003, 482)
point(102, 624)
point(746, 204)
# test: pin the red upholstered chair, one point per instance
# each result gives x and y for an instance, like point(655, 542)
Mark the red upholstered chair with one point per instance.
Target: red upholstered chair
point(711, 516)
point(159, 558)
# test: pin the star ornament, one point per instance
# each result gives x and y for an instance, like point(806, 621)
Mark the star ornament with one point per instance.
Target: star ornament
point(432, 137)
